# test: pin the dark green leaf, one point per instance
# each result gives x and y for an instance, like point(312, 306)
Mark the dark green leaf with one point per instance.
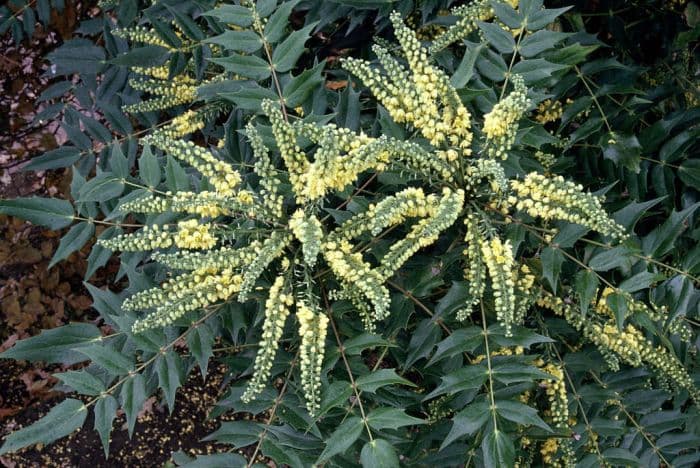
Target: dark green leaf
point(344, 436)
point(105, 412)
point(277, 23)
point(300, 87)
point(287, 53)
point(498, 449)
point(466, 378)
point(50, 212)
point(586, 288)
point(63, 156)
point(58, 345)
point(77, 56)
point(689, 172)
point(520, 413)
point(391, 418)
point(467, 422)
point(109, 359)
point(62, 420)
point(661, 240)
point(608, 259)
point(381, 378)
point(552, 260)
point(199, 342)
point(462, 340)
point(510, 17)
point(100, 188)
point(495, 35)
point(422, 342)
point(250, 66)
point(537, 42)
point(233, 14)
point(378, 453)
point(540, 19)
point(168, 368)
point(74, 240)
point(152, 55)
point(82, 382)
point(133, 396)
point(241, 41)
point(236, 433)
point(149, 168)
point(355, 345)
point(175, 176)
point(623, 150)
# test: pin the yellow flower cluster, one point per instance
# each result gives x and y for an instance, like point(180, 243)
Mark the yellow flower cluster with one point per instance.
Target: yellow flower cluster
point(489, 169)
point(437, 216)
point(162, 72)
point(223, 177)
point(421, 95)
point(312, 330)
point(556, 198)
point(143, 35)
point(524, 281)
point(205, 203)
point(501, 123)
point(184, 124)
point(341, 156)
point(269, 191)
point(292, 155)
point(549, 111)
point(498, 257)
point(220, 258)
point(549, 450)
point(475, 270)
point(546, 159)
point(628, 344)
point(469, 15)
point(204, 288)
point(309, 231)
point(357, 275)
point(169, 94)
point(510, 351)
point(270, 249)
point(276, 312)
point(192, 235)
point(556, 395)
point(147, 238)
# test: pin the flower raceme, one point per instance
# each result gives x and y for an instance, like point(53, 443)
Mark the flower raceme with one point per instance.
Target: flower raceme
point(287, 235)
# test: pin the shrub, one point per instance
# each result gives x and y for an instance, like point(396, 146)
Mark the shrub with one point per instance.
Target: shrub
point(406, 254)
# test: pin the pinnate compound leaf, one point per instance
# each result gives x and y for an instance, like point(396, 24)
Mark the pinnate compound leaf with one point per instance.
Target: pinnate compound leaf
point(50, 212)
point(62, 420)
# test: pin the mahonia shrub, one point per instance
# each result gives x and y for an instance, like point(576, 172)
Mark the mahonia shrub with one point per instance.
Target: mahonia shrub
point(410, 257)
